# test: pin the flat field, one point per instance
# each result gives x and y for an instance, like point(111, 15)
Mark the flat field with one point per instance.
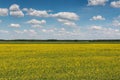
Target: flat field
point(59, 61)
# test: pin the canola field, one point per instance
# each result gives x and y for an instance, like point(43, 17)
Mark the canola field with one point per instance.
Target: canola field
point(59, 61)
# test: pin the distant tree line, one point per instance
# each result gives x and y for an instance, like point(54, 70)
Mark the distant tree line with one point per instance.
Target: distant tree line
point(55, 40)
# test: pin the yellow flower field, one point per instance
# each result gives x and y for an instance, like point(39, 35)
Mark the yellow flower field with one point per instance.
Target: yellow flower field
point(59, 61)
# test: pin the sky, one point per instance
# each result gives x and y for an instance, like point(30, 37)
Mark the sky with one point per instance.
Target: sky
point(60, 19)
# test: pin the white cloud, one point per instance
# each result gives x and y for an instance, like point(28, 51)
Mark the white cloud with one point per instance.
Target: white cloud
point(96, 2)
point(110, 31)
point(96, 28)
point(36, 22)
point(18, 32)
point(15, 11)
point(4, 31)
point(98, 17)
point(63, 32)
point(67, 18)
point(25, 9)
point(67, 22)
point(103, 33)
point(44, 13)
point(30, 31)
point(37, 26)
point(49, 30)
point(14, 7)
point(115, 4)
point(15, 25)
point(36, 13)
point(116, 22)
point(44, 30)
point(66, 15)
point(3, 11)
point(104, 29)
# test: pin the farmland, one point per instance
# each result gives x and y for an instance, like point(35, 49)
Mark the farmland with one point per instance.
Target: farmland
point(59, 61)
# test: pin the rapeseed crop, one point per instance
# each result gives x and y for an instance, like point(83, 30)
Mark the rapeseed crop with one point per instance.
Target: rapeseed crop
point(59, 61)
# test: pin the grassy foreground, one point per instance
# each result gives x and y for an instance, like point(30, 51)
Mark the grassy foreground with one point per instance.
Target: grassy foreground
point(59, 61)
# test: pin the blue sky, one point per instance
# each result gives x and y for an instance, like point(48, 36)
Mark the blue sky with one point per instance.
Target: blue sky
point(60, 19)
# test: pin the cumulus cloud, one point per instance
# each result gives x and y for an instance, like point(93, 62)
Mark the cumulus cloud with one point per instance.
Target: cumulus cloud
point(115, 4)
point(15, 11)
point(67, 22)
point(100, 32)
point(47, 30)
point(104, 29)
point(25, 9)
point(36, 22)
point(116, 22)
point(96, 2)
point(66, 33)
point(36, 13)
point(30, 31)
point(51, 30)
point(14, 7)
point(98, 17)
point(66, 15)
point(103, 32)
point(3, 11)
point(15, 25)
point(66, 18)
point(96, 28)
point(45, 13)
point(61, 32)
point(37, 26)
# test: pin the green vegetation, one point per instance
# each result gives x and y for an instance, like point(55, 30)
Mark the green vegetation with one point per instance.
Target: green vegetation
point(59, 61)
point(52, 41)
